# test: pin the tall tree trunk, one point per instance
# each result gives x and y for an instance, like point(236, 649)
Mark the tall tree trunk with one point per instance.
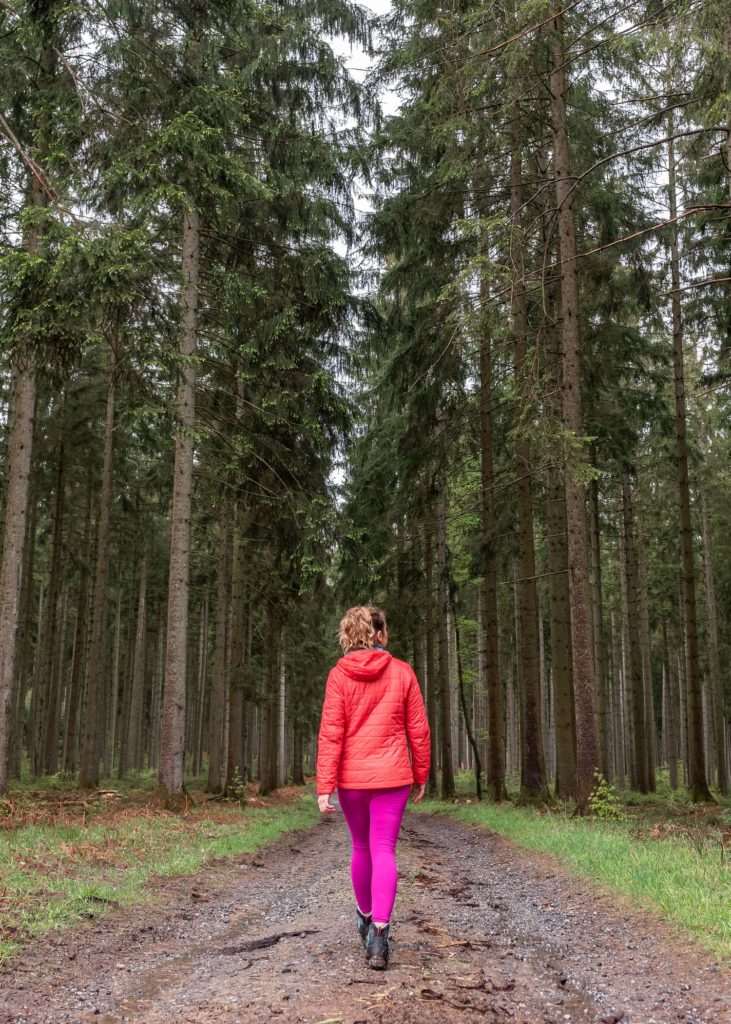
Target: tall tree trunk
point(20, 445)
point(218, 685)
point(135, 748)
point(481, 726)
point(697, 782)
point(282, 719)
point(235, 764)
point(21, 428)
point(201, 689)
point(431, 674)
point(638, 773)
point(78, 659)
point(89, 758)
point(533, 767)
point(495, 725)
point(113, 713)
point(587, 738)
point(268, 728)
point(15, 757)
point(46, 694)
point(445, 694)
point(125, 764)
point(617, 713)
point(714, 661)
point(156, 697)
point(172, 749)
point(646, 653)
point(597, 604)
point(462, 695)
point(564, 711)
point(298, 752)
point(52, 739)
point(669, 722)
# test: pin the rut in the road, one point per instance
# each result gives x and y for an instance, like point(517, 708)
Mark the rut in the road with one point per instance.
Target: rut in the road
point(482, 932)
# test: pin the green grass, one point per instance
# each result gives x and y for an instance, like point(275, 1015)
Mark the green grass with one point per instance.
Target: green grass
point(680, 873)
point(53, 875)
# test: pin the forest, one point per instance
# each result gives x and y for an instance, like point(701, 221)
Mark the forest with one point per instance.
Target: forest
point(451, 336)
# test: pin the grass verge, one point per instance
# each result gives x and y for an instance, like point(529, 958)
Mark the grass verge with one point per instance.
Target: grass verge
point(683, 876)
point(54, 874)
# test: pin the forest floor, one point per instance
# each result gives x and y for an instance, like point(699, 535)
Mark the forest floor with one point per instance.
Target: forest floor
point(483, 931)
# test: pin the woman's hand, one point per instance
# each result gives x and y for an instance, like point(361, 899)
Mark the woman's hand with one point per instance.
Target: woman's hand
point(417, 793)
point(323, 802)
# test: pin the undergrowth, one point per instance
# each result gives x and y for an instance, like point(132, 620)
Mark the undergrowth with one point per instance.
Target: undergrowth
point(60, 863)
point(678, 869)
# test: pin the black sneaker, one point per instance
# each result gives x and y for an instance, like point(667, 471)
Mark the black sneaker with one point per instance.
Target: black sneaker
point(364, 921)
point(378, 947)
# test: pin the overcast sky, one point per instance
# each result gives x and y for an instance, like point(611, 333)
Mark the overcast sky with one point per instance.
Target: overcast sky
point(359, 62)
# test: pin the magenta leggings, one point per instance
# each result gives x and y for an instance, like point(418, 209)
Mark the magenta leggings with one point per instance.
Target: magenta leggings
point(374, 819)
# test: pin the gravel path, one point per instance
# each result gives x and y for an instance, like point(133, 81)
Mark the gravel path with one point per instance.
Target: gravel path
point(483, 932)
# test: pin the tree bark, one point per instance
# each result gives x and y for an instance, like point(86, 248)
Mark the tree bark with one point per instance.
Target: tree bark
point(15, 757)
point(156, 697)
point(135, 748)
point(431, 675)
point(20, 434)
point(47, 693)
point(235, 763)
point(617, 713)
point(219, 681)
point(638, 764)
point(89, 758)
point(445, 690)
point(597, 604)
point(714, 660)
point(697, 782)
point(582, 654)
point(172, 740)
point(113, 712)
point(268, 728)
point(52, 740)
point(201, 688)
point(20, 445)
point(481, 726)
point(282, 719)
point(78, 659)
point(533, 766)
point(646, 656)
point(669, 721)
point(462, 695)
point(496, 746)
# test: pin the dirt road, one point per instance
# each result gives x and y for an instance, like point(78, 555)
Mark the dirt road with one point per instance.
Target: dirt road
point(482, 932)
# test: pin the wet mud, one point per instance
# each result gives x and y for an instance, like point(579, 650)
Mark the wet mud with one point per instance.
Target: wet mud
point(482, 932)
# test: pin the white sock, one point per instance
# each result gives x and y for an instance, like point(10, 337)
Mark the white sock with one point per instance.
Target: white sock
point(380, 924)
point(362, 912)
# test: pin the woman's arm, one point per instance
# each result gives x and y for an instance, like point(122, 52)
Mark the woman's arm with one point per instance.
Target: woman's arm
point(417, 730)
point(330, 740)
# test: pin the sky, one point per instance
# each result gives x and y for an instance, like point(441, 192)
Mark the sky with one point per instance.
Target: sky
point(359, 63)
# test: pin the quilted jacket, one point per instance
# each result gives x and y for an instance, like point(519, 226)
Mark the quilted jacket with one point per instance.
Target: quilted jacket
point(373, 712)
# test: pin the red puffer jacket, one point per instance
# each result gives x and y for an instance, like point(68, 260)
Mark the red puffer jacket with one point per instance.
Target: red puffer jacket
point(373, 705)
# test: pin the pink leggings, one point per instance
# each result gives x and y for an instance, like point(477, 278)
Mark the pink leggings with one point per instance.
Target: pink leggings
point(374, 819)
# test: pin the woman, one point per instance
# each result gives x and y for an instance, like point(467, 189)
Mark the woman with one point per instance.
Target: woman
point(373, 713)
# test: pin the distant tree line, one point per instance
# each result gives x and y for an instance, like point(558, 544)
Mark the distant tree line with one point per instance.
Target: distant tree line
point(542, 483)
point(504, 415)
point(173, 317)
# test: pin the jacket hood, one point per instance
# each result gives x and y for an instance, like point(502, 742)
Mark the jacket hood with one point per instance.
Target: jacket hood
point(366, 665)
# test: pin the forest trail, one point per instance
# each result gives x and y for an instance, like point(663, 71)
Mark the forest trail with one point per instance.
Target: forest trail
point(483, 931)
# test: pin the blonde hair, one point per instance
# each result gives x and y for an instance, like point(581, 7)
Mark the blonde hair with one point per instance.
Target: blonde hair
point(359, 625)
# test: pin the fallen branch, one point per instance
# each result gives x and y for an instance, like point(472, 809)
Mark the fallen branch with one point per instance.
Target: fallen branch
point(265, 943)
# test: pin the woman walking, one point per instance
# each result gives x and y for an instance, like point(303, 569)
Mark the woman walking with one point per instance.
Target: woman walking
point(373, 713)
